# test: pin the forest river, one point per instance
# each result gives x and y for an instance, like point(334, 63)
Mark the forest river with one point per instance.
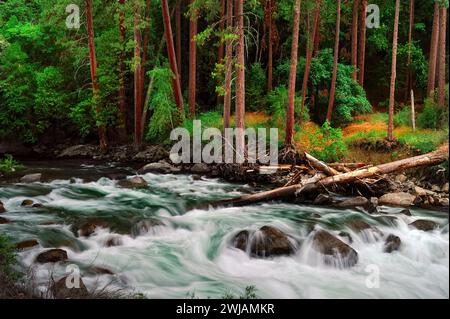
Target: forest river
point(190, 252)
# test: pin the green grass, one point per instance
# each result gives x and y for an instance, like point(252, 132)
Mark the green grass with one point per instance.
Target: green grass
point(365, 135)
point(379, 117)
point(424, 141)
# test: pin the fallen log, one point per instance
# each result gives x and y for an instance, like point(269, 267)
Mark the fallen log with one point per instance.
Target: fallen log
point(314, 184)
point(321, 166)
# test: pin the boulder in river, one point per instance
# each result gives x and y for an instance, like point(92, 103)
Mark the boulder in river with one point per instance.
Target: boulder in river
point(336, 252)
point(145, 226)
point(323, 200)
point(27, 244)
point(358, 225)
point(31, 178)
point(266, 242)
point(37, 205)
point(159, 167)
point(353, 202)
point(113, 241)
point(52, 256)
point(392, 243)
point(27, 202)
point(397, 199)
point(2, 208)
point(69, 288)
point(4, 220)
point(133, 182)
point(80, 151)
point(425, 225)
point(406, 212)
point(200, 168)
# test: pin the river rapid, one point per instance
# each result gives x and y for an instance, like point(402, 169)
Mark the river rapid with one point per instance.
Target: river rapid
point(190, 252)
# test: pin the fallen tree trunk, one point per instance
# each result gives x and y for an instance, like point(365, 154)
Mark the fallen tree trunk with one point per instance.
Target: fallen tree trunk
point(316, 183)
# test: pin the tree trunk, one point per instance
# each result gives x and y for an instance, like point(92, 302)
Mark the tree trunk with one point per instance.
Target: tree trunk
point(270, 48)
point(172, 59)
point(408, 59)
point(335, 62)
point(178, 35)
point(221, 49)
point(292, 76)
point(433, 51)
point(145, 46)
point(355, 38)
point(309, 53)
point(228, 67)
point(240, 80)
point(192, 62)
point(122, 93)
point(362, 43)
point(317, 38)
point(390, 134)
point(95, 87)
point(442, 46)
point(137, 79)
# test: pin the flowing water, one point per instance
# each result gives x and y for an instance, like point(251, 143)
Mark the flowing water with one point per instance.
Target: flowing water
point(191, 253)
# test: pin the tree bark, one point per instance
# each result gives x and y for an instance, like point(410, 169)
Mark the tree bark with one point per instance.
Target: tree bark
point(442, 46)
point(122, 93)
point(192, 62)
point(408, 59)
point(145, 46)
point(335, 62)
point(137, 79)
point(228, 67)
point(362, 43)
point(355, 38)
point(93, 67)
point(178, 36)
point(390, 132)
point(172, 59)
point(221, 48)
point(240, 80)
point(433, 51)
point(292, 76)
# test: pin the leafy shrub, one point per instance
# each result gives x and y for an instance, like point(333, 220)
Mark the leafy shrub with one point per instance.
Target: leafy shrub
point(8, 257)
point(429, 118)
point(277, 101)
point(208, 119)
point(255, 87)
point(424, 142)
point(328, 145)
point(9, 165)
point(403, 117)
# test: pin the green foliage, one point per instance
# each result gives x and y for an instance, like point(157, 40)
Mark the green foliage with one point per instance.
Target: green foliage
point(164, 117)
point(328, 144)
point(209, 119)
point(277, 101)
point(249, 293)
point(403, 117)
point(255, 87)
point(9, 165)
point(424, 141)
point(379, 117)
point(429, 117)
point(8, 258)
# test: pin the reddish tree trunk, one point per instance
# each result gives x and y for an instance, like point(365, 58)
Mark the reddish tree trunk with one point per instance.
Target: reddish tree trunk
point(145, 45)
point(172, 59)
point(228, 67)
point(240, 79)
point(362, 43)
point(122, 93)
point(355, 38)
point(192, 63)
point(433, 51)
point(292, 76)
point(309, 52)
point(178, 35)
point(393, 73)
point(335, 62)
point(442, 38)
point(408, 59)
point(317, 38)
point(137, 79)
point(95, 87)
point(221, 49)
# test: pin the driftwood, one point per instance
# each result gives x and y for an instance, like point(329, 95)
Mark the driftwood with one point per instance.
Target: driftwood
point(358, 175)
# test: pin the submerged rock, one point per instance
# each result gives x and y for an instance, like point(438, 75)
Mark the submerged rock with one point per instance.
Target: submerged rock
point(392, 243)
point(2, 208)
point(27, 202)
point(425, 225)
point(159, 167)
point(353, 202)
point(4, 220)
point(145, 226)
point(52, 256)
point(347, 235)
point(102, 270)
point(27, 244)
point(266, 242)
point(31, 178)
point(336, 251)
point(200, 168)
point(397, 199)
point(37, 205)
point(113, 241)
point(133, 182)
point(406, 212)
point(358, 225)
point(61, 290)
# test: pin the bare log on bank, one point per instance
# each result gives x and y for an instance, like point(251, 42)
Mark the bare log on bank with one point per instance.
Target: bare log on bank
point(319, 181)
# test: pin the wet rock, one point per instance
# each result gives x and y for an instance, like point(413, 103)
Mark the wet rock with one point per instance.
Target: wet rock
point(444, 202)
point(435, 188)
point(117, 176)
point(358, 225)
point(392, 243)
point(27, 202)
point(52, 256)
point(241, 240)
point(145, 226)
point(445, 188)
point(87, 229)
point(406, 212)
point(159, 167)
point(113, 241)
point(397, 199)
point(31, 178)
point(374, 201)
point(27, 244)
point(4, 220)
point(81, 151)
point(152, 154)
point(316, 215)
point(61, 290)
point(422, 192)
point(2, 208)
point(270, 241)
point(323, 200)
point(347, 235)
point(133, 182)
point(200, 168)
point(102, 271)
point(386, 220)
point(336, 251)
point(425, 225)
point(353, 202)
point(371, 208)
point(37, 205)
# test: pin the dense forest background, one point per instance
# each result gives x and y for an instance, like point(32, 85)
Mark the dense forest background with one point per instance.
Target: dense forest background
point(49, 91)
